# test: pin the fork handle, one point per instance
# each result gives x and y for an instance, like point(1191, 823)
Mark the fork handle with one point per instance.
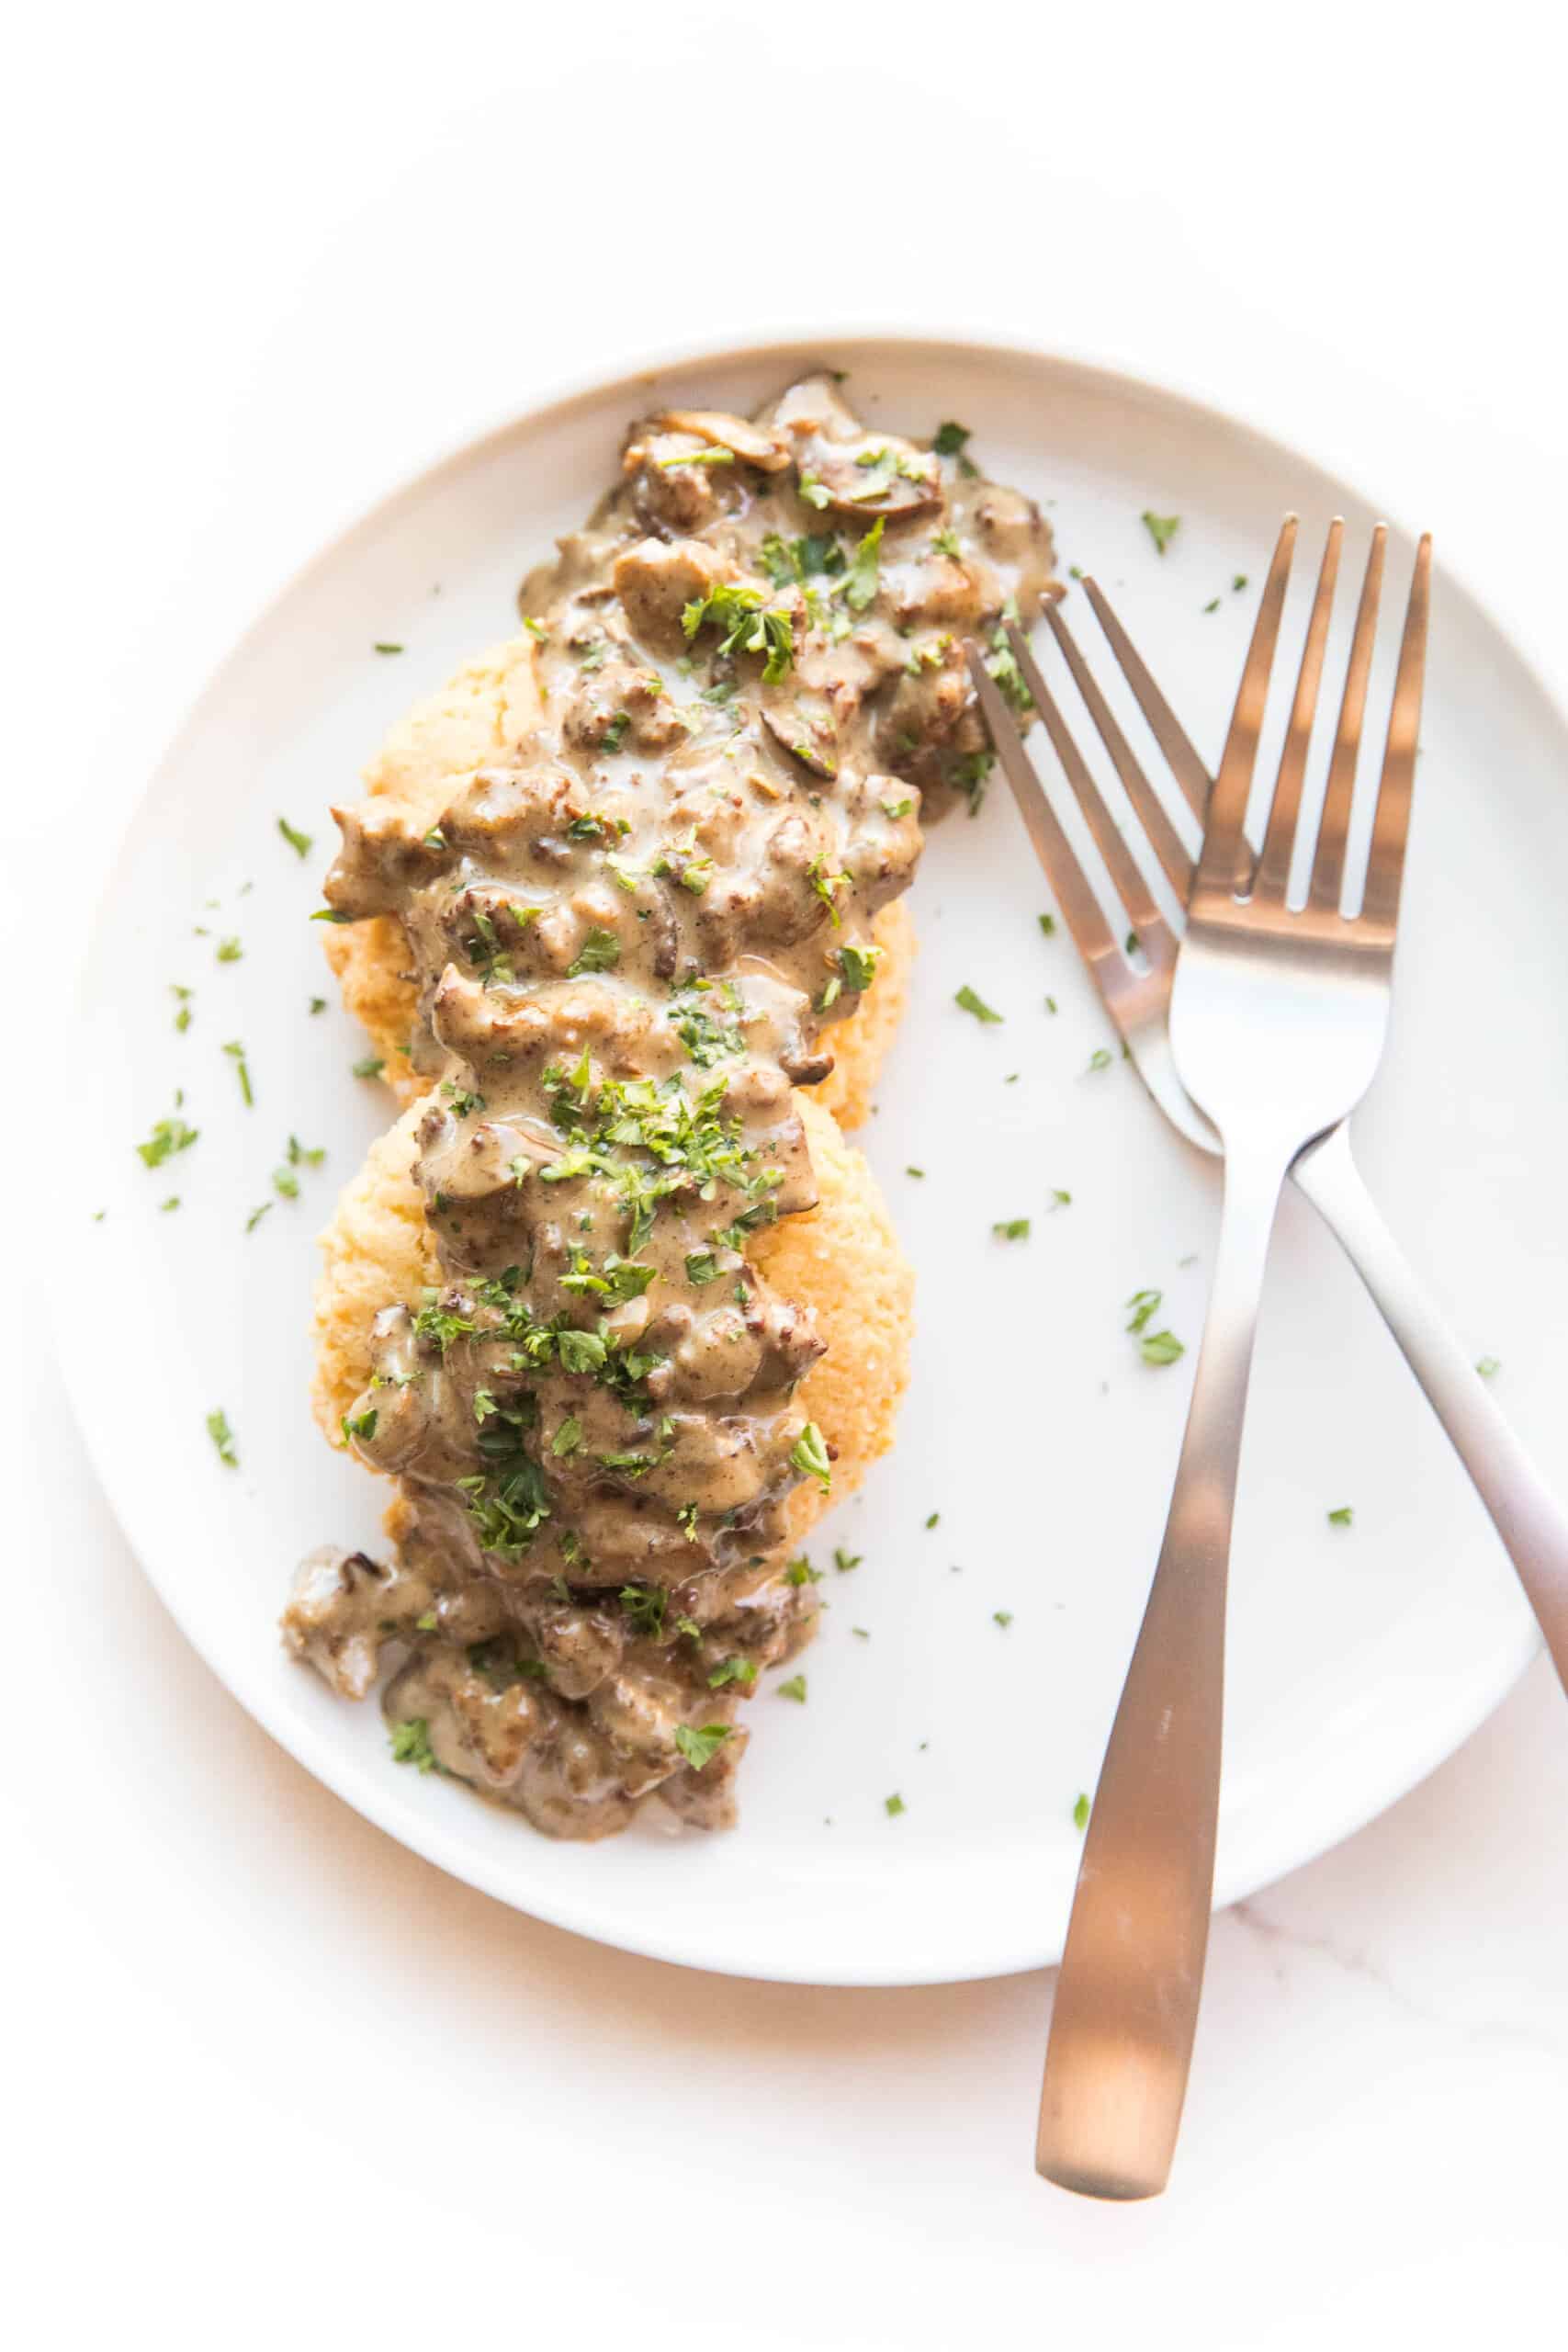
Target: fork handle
point(1126, 2005)
point(1527, 1515)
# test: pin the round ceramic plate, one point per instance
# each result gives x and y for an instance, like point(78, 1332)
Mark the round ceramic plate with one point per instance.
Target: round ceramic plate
point(995, 1566)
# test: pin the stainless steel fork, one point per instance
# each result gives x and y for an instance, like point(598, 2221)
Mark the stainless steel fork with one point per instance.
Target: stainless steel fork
point(1277, 1023)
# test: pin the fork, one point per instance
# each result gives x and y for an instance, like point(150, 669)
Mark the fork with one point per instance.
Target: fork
point(1527, 1515)
point(1277, 1022)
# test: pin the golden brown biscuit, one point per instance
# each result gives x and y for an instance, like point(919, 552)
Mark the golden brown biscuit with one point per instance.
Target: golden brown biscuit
point(480, 712)
point(843, 1258)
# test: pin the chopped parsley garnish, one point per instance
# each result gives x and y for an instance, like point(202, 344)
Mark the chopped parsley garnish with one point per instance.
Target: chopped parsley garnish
point(1080, 1811)
point(968, 776)
point(318, 1004)
point(362, 1425)
point(968, 1001)
point(256, 1215)
point(182, 1018)
point(600, 952)
point(386, 646)
point(826, 884)
point(894, 809)
point(814, 492)
point(1342, 1517)
point(1489, 1367)
point(946, 543)
point(1003, 1617)
point(1047, 924)
point(298, 842)
point(894, 1805)
point(568, 1438)
point(1012, 1229)
point(228, 951)
point(1161, 1347)
point(1238, 583)
point(1102, 1057)
point(793, 1689)
point(223, 1436)
point(611, 739)
point(800, 1571)
point(809, 1455)
point(934, 1518)
point(1144, 1304)
point(1161, 528)
point(172, 1203)
point(284, 1181)
point(748, 627)
point(1002, 664)
point(700, 1748)
point(788, 561)
point(844, 1561)
point(410, 1740)
point(858, 966)
point(860, 584)
point(645, 1605)
point(949, 439)
point(1212, 605)
point(168, 1137)
point(236, 1054)
point(702, 1268)
point(369, 1065)
point(733, 1669)
point(329, 914)
point(535, 628)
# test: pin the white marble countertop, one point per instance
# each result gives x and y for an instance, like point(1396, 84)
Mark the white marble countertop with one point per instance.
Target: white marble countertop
point(270, 2076)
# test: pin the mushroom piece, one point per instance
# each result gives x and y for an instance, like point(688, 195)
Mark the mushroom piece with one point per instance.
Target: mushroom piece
point(719, 430)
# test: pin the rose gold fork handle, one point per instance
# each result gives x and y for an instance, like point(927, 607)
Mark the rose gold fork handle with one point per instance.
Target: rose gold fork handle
point(1527, 1515)
point(1126, 2004)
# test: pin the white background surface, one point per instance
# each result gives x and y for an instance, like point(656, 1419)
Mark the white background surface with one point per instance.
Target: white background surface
point(268, 2074)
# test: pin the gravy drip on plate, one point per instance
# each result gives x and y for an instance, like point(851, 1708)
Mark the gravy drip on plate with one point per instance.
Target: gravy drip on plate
point(631, 936)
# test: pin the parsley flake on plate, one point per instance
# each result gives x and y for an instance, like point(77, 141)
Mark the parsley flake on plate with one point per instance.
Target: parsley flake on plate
point(1161, 528)
point(1343, 1517)
point(298, 842)
point(793, 1689)
point(967, 1001)
point(168, 1137)
point(236, 1054)
point(223, 1436)
point(1080, 1811)
point(1012, 1229)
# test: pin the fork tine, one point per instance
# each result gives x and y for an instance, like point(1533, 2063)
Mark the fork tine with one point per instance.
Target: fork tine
point(1390, 826)
point(1126, 875)
point(1163, 839)
point(1092, 934)
point(1274, 865)
point(1224, 843)
point(1333, 828)
point(1164, 725)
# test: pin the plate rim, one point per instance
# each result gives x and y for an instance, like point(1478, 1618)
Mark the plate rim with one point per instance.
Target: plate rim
point(576, 1911)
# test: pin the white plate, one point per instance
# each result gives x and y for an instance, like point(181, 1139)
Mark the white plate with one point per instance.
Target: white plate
point(1357, 1659)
